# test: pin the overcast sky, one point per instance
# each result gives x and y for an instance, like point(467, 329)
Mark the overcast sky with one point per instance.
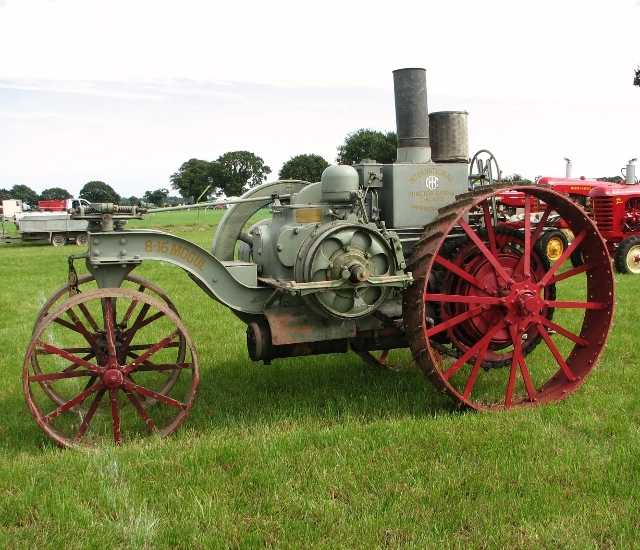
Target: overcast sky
point(125, 91)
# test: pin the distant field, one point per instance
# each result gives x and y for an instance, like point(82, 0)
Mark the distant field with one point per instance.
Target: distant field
point(319, 452)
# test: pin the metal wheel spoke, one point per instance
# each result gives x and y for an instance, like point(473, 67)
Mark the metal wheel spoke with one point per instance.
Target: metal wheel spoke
point(151, 351)
point(134, 401)
point(78, 326)
point(137, 324)
point(89, 317)
point(430, 332)
point(149, 393)
point(484, 250)
point(571, 273)
point(474, 371)
point(163, 368)
point(72, 403)
point(488, 300)
point(115, 413)
point(556, 353)
point(130, 309)
point(110, 325)
point(484, 342)
point(564, 332)
point(52, 377)
point(489, 289)
point(141, 322)
point(53, 350)
point(526, 255)
point(519, 360)
point(565, 255)
point(488, 224)
point(576, 305)
point(92, 410)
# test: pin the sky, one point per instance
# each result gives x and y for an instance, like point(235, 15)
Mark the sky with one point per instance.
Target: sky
point(125, 91)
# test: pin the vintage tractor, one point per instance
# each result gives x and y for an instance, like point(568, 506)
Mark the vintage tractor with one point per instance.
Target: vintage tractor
point(371, 258)
point(616, 210)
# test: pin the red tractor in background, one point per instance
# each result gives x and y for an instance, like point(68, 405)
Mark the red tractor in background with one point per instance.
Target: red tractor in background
point(616, 211)
point(614, 206)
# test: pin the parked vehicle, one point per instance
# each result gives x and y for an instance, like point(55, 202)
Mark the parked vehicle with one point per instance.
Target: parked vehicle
point(61, 205)
point(371, 258)
point(56, 228)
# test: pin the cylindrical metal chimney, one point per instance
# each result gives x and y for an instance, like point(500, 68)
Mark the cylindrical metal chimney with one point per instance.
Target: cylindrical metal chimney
point(567, 172)
point(412, 122)
point(630, 174)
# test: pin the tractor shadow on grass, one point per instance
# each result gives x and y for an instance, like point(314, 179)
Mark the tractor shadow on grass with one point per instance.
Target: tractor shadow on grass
point(318, 390)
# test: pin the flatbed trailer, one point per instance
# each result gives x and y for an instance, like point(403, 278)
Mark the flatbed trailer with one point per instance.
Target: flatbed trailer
point(57, 229)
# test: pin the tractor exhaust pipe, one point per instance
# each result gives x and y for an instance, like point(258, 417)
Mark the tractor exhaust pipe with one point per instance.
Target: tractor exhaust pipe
point(568, 168)
point(630, 173)
point(412, 120)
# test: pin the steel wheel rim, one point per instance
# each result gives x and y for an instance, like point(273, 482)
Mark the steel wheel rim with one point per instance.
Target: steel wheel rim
point(102, 397)
point(143, 285)
point(579, 329)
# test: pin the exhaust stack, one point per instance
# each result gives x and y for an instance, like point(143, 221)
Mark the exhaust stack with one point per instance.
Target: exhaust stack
point(630, 173)
point(412, 121)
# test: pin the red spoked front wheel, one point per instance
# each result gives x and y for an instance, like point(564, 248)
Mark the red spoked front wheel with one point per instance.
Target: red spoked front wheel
point(489, 321)
point(97, 368)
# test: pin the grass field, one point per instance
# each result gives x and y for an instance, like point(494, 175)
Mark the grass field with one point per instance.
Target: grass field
point(318, 452)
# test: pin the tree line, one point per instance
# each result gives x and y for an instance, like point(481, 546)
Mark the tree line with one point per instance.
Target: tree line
point(231, 174)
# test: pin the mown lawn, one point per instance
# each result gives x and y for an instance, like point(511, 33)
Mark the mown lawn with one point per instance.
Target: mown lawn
point(319, 452)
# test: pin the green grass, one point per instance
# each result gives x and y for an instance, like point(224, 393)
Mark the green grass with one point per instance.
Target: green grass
point(317, 451)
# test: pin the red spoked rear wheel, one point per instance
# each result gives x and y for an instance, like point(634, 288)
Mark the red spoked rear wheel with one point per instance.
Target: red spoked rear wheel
point(97, 367)
point(489, 321)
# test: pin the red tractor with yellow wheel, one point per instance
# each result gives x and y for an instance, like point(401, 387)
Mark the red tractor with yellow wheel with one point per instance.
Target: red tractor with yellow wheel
point(616, 211)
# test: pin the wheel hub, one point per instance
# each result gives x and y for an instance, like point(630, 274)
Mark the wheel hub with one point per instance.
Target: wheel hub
point(527, 303)
point(112, 378)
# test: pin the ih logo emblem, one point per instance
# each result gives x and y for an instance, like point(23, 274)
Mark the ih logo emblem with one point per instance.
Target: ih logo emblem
point(432, 182)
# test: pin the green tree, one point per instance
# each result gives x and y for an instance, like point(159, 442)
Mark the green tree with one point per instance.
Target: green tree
point(303, 167)
point(156, 197)
point(366, 143)
point(55, 194)
point(99, 191)
point(612, 179)
point(133, 200)
point(636, 77)
point(193, 178)
point(25, 194)
point(237, 171)
point(4, 195)
point(515, 177)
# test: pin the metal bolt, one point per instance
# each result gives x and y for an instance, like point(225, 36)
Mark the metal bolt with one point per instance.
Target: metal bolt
point(279, 247)
point(215, 279)
point(96, 241)
point(123, 241)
